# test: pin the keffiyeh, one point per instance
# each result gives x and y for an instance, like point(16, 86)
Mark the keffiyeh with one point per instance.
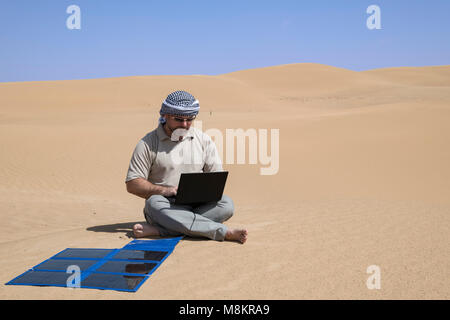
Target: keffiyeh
point(180, 103)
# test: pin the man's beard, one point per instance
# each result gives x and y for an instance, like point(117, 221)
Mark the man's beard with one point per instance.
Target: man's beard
point(178, 133)
point(171, 130)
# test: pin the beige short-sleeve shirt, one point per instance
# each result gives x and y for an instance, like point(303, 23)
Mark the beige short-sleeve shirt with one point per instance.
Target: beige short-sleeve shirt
point(162, 161)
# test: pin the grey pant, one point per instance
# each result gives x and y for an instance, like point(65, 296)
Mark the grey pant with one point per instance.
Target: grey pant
point(204, 220)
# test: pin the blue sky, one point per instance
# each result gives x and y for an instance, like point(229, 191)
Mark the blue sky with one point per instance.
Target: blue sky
point(147, 37)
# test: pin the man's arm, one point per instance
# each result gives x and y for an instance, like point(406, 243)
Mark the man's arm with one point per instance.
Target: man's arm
point(145, 189)
point(213, 162)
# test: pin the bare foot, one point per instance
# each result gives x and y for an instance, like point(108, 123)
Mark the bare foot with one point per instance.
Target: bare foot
point(236, 235)
point(144, 230)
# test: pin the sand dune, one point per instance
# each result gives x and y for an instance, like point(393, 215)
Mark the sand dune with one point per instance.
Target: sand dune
point(436, 76)
point(363, 180)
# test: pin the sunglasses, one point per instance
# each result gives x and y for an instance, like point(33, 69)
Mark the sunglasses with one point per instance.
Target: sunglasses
point(177, 119)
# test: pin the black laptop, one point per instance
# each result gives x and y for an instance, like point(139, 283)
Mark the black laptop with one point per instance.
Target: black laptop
point(196, 188)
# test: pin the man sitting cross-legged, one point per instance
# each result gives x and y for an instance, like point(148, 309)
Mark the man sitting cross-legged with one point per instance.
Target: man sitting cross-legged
point(154, 172)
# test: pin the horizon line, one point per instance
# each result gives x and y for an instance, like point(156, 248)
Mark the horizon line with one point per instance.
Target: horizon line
point(214, 75)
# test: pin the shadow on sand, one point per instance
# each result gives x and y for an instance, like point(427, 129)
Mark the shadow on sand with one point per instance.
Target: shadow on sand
point(127, 229)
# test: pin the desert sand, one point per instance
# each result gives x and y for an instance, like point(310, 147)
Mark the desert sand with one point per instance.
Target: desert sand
point(363, 179)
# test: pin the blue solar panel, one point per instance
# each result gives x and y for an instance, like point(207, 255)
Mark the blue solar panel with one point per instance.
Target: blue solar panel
point(41, 278)
point(84, 253)
point(107, 281)
point(141, 255)
point(124, 269)
point(129, 267)
point(62, 265)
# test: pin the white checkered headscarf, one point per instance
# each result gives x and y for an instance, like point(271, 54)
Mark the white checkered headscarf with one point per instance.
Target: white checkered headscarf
point(179, 103)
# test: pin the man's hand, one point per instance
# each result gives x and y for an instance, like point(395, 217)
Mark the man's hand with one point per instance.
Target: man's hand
point(169, 191)
point(144, 189)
